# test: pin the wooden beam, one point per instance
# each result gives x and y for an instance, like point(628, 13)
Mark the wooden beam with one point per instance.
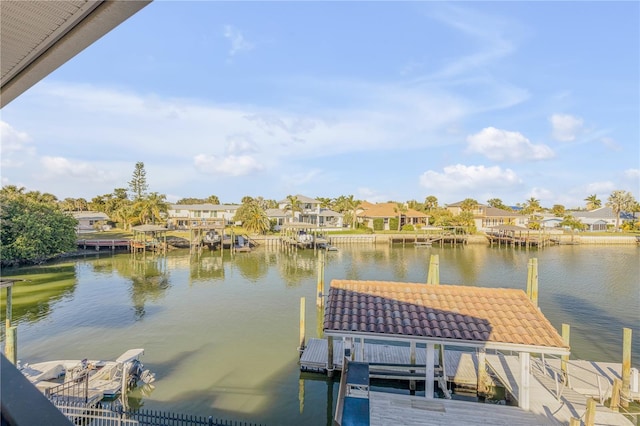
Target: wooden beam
point(625, 392)
point(430, 372)
point(525, 374)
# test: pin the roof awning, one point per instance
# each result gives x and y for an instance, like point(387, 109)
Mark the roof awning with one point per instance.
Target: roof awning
point(473, 317)
point(39, 36)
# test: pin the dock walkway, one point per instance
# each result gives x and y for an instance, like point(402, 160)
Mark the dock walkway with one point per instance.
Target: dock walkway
point(543, 401)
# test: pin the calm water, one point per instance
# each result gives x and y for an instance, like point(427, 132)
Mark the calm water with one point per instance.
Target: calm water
point(221, 333)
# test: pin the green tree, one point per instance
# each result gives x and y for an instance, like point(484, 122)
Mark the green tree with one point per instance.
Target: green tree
point(400, 209)
point(430, 203)
point(620, 201)
point(293, 205)
point(593, 202)
point(150, 208)
point(468, 204)
point(246, 199)
point(33, 227)
point(253, 217)
point(498, 204)
point(531, 206)
point(347, 205)
point(138, 183)
point(558, 210)
point(325, 203)
point(213, 199)
point(571, 222)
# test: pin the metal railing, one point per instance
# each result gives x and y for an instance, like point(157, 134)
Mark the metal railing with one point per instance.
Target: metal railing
point(114, 415)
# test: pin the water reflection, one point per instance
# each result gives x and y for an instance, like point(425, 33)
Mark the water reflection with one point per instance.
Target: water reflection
point(34, 298)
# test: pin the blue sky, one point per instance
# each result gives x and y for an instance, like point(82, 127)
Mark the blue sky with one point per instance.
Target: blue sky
point(382, 100)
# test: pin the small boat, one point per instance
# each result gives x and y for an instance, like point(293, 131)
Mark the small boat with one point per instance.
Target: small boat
point(104, 379)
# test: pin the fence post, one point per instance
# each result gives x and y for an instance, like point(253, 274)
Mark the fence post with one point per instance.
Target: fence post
point(590, 415)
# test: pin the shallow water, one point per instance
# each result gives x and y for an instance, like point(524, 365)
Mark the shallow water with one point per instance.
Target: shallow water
point(221, 332)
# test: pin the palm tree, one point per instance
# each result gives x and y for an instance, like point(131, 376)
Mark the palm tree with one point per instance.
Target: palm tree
point(531, 206)
point(213, 199)
point(151, 207)
point(254, 218)
point(620, 201)
point(593, 202)
point(401, 209)
point(348, 206)
point(430, 203)
point(293, 205)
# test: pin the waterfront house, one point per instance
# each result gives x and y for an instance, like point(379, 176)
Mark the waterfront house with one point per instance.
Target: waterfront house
point(91, 221)
point(311, 213)
point(367, 213)
point(602, 218)
point(485, 216)
point(184, 216)
point(280, 216)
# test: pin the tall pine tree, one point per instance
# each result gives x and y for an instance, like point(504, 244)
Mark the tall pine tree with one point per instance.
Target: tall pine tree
point(138, 183)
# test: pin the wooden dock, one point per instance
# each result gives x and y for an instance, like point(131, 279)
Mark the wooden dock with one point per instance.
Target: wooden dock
point(460, 367)
point(544, 398)
point(109, 244)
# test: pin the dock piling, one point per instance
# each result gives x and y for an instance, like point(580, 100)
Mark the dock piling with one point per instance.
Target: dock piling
point(433, 276)
point(566, 337)
point(302, 325)
point(625, 392)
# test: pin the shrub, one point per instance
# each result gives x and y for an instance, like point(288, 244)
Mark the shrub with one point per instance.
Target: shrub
point(378, 224)
point(407, 227)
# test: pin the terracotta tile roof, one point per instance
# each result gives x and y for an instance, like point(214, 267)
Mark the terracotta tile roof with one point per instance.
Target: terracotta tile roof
point(490, 315)
point(387, 210)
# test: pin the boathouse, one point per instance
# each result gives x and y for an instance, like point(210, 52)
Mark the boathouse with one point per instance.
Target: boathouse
point(466, 318)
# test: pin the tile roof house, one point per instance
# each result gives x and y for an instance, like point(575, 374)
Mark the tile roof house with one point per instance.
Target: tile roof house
point(447, 315)
point(367, 213)
point(485, 216)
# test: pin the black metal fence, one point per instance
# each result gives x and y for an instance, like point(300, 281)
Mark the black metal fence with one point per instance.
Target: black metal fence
point(81, 414)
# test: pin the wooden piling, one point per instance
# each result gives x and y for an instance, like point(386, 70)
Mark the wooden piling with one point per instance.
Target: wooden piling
point(625, 392)
point(330, 356)
point(532, 280)
point(590, 414)
point(566, 337)
point(482, 373)
point(615, 395)
point(11, 338)
point(320, 282)
point(433, 276)
point(302, 325)
point(574, 422)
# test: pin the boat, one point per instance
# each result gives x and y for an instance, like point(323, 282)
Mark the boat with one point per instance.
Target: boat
point(88, 380)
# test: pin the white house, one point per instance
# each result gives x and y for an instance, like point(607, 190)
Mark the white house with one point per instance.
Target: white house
point(182, 216)
point(312, 213)
point(90, 221)
point(601, 218)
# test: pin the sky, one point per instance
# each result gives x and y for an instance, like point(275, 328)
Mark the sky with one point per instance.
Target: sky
point(380, 100)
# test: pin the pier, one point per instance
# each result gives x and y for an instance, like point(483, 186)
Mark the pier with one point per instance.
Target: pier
point(104, 244)
point(517, 236)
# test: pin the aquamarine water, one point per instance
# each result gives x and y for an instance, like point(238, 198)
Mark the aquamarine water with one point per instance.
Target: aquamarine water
point(221, 332)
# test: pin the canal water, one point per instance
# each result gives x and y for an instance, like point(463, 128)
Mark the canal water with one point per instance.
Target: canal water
point(221, 332)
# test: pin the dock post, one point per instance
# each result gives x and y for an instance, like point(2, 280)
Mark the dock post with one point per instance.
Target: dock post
point(615, 395)
point(566, 338)
point(430, 371)
point(302, 325)
point(320, 282)
point(625, 392)
point(525, 373)
point(532, 280)
point(574, 422)
point(11, 342)
point(330, 356)
point(433, 276)
point(482, 373)
point(412, 361)
point(590, 414)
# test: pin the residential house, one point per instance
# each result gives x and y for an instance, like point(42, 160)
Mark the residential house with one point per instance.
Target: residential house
point(602, 218)
point(311, 213)
point(279, 215)
point(183, 216)
point(367, 213)
point(485, 216)
point(91, 221)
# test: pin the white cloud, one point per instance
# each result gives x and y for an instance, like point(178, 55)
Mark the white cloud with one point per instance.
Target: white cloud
point(565, 127)
point(231, 165)
point(600, 187)
point(240, 144)
point(238, 42)
point(541, 194)
point(611, 144)
point(371, 195)
point(14, 146)
point(56, 167)
point(632, 173)
point(460, 177)
point(499, 145)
